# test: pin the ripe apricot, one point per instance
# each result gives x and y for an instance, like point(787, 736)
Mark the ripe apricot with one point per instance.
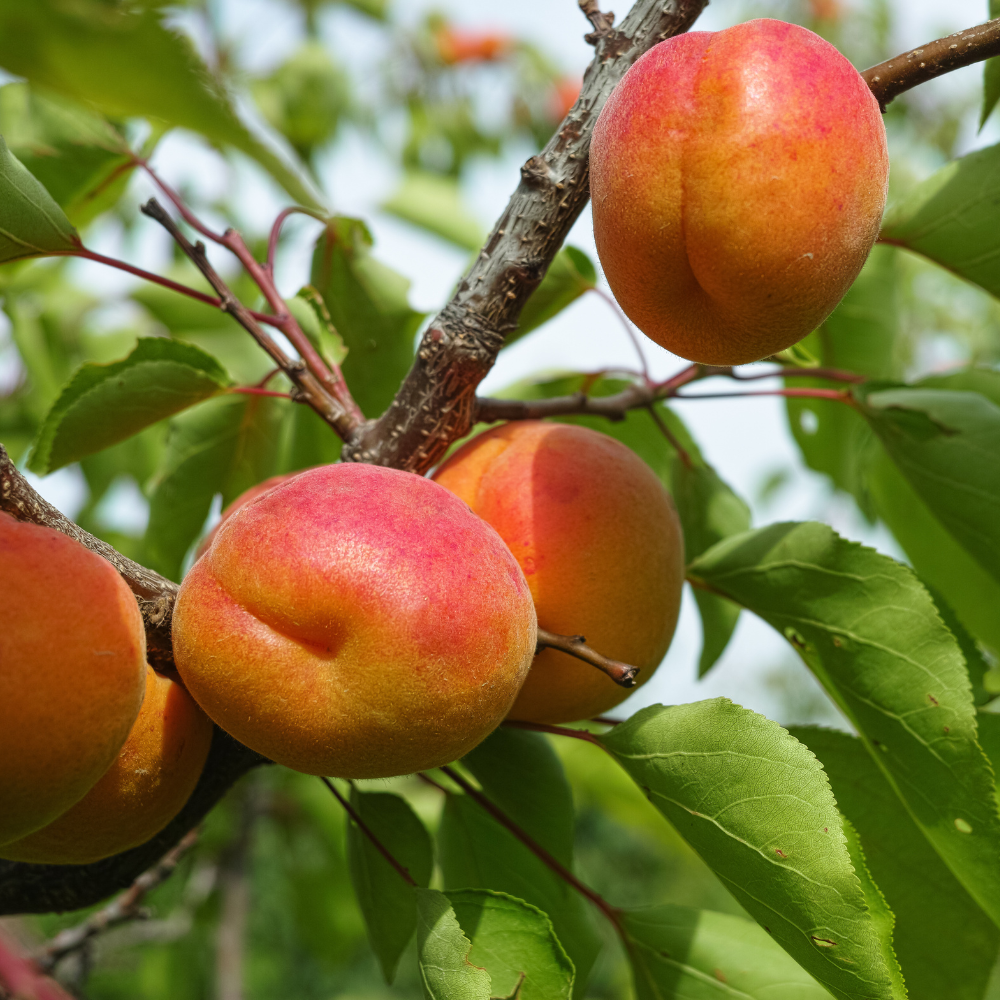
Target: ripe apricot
point(355, 621)
point(600, 544)
point(738, 181)
point(146, 786)
point(72, 672)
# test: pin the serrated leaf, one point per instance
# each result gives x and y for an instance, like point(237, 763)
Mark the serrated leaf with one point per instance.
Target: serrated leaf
point(754, 803)
point(123, 60)
point(104, 404)
point(386, 900)
point(945, 943)
point(570, 275)
point(679, 953)
point(31, 223)
point(515, 943)
point(367, 302)
point(951, 218)
point(474, 851)
point(443, 952)
point(223, 445)
point(869, 631)
point(947, 445)
point(434, 203)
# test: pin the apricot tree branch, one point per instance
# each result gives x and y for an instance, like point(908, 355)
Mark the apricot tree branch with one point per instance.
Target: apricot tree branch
point(611, 912)
point(400, 868)
point(128, 906)
point(544, 727)
point(623, 674)
point(602, 22)
point(889, 79)
point(436, 403)
point(308, 385)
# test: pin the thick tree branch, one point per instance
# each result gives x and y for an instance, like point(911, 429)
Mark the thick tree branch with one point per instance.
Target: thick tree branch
point(436, 403)
point(602, 23)
point(904, 72)
point(28, 888)
point(623, 674)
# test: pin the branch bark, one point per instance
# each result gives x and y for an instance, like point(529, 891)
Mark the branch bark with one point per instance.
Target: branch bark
point(436, 403)
point(889, 79)
point(623, 674)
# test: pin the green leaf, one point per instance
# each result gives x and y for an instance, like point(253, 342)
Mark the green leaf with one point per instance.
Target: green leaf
point(104, 404)
point(869, 631)
point(754, 803)
point(991, 77)
point(474, 851)
point(79, 157)
point(124, 61)
point(31, 223)
point(224, 445)
point(945, 944)
point(434, 203)
point(515, 943)
point(367, 302)
point(542, 806)
point(951, 218)
point(883, 918)
point(947, 444)
point(679, 953)
point(387, 902)
point(443, 952)
point(570, 275)
point(934, 553)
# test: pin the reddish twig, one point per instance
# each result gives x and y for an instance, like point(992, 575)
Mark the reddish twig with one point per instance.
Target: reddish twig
point(623, 674)
point(611, 912)
point(128, 906)
point(671, 437)
point(889, 79)
point(178, 202)
point(272, 240)
point(255, 390)
point(544, 727)
point(602, 22)
point(840, 395)
point(400, 868)
point(20, 978)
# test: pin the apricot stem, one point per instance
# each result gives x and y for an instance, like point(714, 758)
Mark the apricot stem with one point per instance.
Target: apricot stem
point(623, 674)
point(126, 907)
point(544, 727)
point(895, 76)
point(401, 870)
point(611, 912)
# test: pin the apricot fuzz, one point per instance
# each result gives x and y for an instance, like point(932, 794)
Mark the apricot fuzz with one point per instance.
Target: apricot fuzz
point(738, 181)
point(355, 621)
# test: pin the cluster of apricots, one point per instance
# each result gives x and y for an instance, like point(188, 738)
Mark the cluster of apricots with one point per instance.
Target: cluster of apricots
point(363, 622)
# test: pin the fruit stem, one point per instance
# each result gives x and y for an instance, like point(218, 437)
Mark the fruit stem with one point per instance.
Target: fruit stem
point(401, 869)
point(623, 674)
point(611, 912)
point(544, 727)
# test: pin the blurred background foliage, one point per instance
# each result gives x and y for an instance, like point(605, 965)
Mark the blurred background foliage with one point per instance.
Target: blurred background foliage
point(263, 907)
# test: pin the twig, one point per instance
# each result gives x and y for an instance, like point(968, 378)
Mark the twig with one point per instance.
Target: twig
point(839, 395)
point(272, 240)
point(436, 403)
point(623, 674)
point(889, 79)
point(682, 453)
point(309, 388)
point(400, 868)
point(626, 326)
point(544, 727)
point(602, 22)
point(128, 906)
point(611, 912)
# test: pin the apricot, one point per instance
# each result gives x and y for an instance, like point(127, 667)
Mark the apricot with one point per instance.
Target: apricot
point(152, 777)
point(738, 181)
point(600, 544)
point(355, 621)
point(72, 672)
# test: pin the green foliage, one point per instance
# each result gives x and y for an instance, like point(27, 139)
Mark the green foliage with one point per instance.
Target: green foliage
point(754, 803)
point(386, 900)
point(570, 275)
point(679, 953)
point(104, 404)
point(31, 223)
point(126, 62)
point(434, 203)
point(945, 942)
point(869, 631)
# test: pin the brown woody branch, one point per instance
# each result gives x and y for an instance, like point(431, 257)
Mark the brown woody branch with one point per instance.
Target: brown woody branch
point(128, 906)
point(316, 390)
point(436, 403)
point(889, 79)
point(623, 674)
point(602, 22)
